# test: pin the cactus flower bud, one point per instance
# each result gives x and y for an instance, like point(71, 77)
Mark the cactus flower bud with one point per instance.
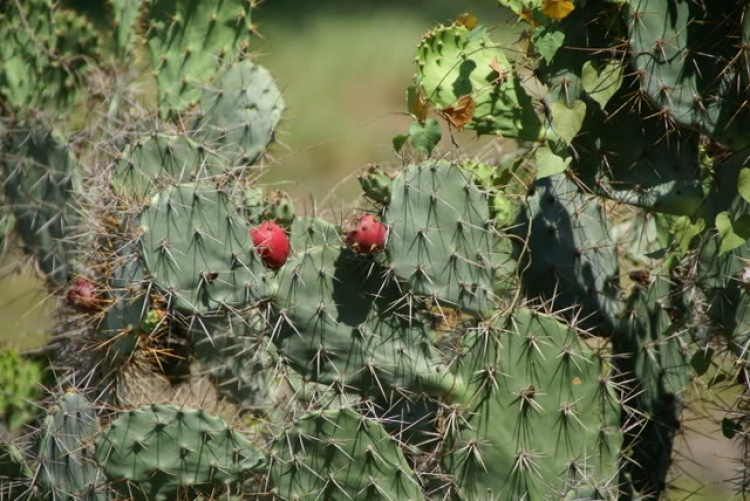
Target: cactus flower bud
point(83, 296)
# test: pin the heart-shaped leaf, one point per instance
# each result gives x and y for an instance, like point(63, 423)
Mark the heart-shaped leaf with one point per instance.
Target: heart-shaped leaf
point(602, 84)
point(568, 121)
point(549, 164)
point(425, 137)
point(733, 233)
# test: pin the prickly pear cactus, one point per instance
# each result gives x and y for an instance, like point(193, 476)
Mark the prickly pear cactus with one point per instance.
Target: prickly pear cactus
point(65, 461)
point(159, 452)
point(339, 454)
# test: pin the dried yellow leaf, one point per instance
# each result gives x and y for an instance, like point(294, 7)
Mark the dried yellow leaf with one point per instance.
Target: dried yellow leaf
point(461, 114)
point(468, 21)
point(557, 9)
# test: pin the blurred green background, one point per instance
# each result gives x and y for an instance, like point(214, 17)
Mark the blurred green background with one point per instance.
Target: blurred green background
point(344, 66)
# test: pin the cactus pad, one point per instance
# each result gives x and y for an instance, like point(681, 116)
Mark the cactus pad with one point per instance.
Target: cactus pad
point(651, 352)
point(127, 307)
point(572, 258)
point(441, 243)
point(310, 231)
point(197, 250)
point(339, 455)
point(542, 420)
point(655, 172)
point(338, 324)
point(44, 52)
point(39, 178)
point(158, 452)
point(455, 62)
point(66, 468)
point(682, 53)
point(234, 354)
point(157, 161)
point(189, 42)
point(240, 112)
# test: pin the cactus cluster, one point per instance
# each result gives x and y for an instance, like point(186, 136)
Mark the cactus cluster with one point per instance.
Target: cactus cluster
point(524, 327)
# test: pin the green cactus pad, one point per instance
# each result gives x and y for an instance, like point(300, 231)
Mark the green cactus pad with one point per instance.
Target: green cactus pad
point(161, 160)
point(342, 456)
point(279, 207)
point(376, 184)
point(44, 52)
point(126, 308)
point(571, 258)
point(655, 171)
point(651, 352)
point(39, 175)
point(338, 323)
point(252, 201)
point(540, 418)
point(197, 249)
point(158, 453)
point(682, 53)
point(240, 112)
point(190, 41)
point(234, 354)
point(13, 469)
point(454, 62)
point(308, 231)
point(125, 14)
point(66, 468)
point(441, 243)
point(720, 273)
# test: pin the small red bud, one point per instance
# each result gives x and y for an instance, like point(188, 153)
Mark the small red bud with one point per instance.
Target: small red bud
point(83, 296)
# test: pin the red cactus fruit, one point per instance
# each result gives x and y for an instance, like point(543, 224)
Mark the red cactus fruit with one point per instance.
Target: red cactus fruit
point(271, 243)
point(83, 296)
point(368, 236)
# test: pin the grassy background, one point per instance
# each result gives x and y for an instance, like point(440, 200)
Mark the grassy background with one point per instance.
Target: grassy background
point(343, 66)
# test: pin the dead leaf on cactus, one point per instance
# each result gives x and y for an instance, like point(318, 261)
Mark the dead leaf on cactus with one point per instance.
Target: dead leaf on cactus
point(419, 106)
point(557, 9)
point(467, 20)
point(495, 65)
point(528, 16)
point(462, 113)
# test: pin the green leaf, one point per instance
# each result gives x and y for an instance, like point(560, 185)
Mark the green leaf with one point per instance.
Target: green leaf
point(685, 231)
point(602, 84)
point(549, 164)
point(548, 40)
point(733, 233)
point(425, 138)
point(399, 142)
point(730, 428)
point(743, 184)
point(701, 361)
point(568, 121)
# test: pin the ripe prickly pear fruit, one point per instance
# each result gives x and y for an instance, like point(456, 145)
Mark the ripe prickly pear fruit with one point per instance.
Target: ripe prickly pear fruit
point(83, 296)
point(272, 244)
point(376, 184)
point(368, 236)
